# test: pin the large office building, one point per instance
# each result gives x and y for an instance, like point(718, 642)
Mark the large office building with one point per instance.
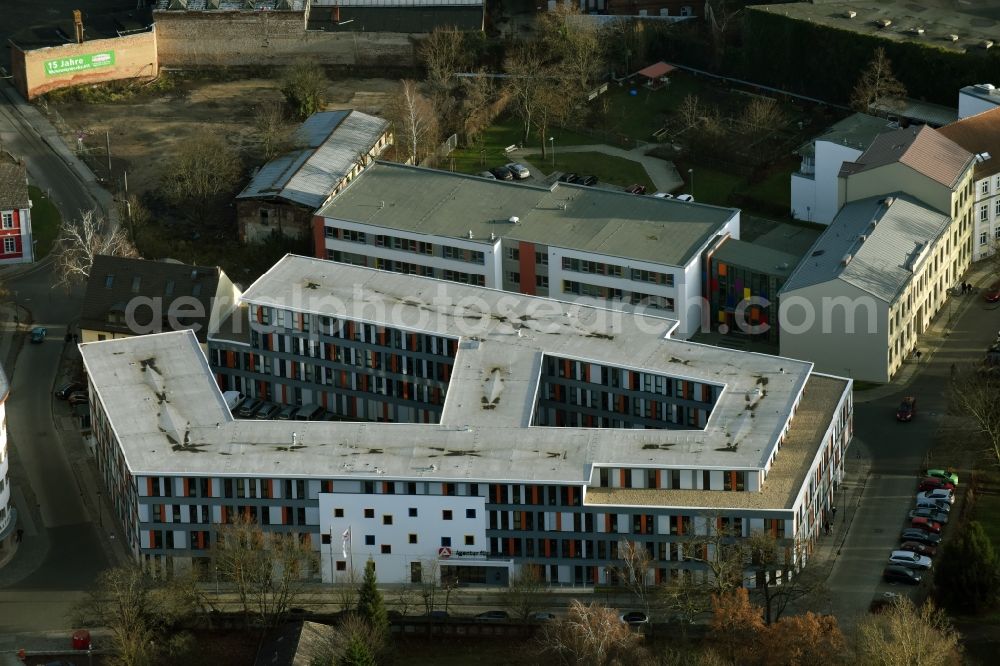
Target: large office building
point(494, 431)
point(559, 240)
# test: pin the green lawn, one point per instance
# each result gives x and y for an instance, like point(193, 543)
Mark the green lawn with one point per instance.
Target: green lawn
point(45, 221)
point(711, 186)
point(640, 115)
point(489, 152)
point(987, 510)
point(609, 169)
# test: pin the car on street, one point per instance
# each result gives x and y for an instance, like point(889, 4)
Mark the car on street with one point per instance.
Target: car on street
point(909, 559)
point(926, 524)
point(893, 574)
point(248, 408)
point(933, 483)
point(487, 175)
point(907, 409)
point(944, 474)
point(636, 188)
point(662, 195)
point(589, 181)
point(920, 536)
point(568, 178)
point(992, 294)
point(883, 601)
point(930, 514)
point(267, 411)
point(68, 389)
point(519, 170)
point(542, 616)
point(502, 173)
point(634, 618)
point(38, 334)
point(939, 504)
point(685, 197)
point(918, 548)
point(493, 616)
point(939, 494)
point(78, 398)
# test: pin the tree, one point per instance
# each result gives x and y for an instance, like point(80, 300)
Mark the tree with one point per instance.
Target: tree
point(552, 107)
point(353, 642)
point(526, 72)
point(304, 85)
point(690, 111)
point(779, 581)
point(478, 106)
point(414, 121)
point(905, 635)
point(736, 625)
point(974, 395)
point(271, 129)
point(634, 570)
point(357, 654)
point(722, 553)
point(371, 606)
point(801, 639)
point(877, 88)
point(589, 636)
point(133, 213)
point(721, 15)
point(268, 569)
point(202, 168)
point(526, 592)
point(575, 45)
point(762, 114)
point(967, 575)
point(81, 240)
point(140, 613)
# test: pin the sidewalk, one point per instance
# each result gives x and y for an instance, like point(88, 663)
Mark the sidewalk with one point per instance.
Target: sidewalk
point(931, 340)
point(662, 173)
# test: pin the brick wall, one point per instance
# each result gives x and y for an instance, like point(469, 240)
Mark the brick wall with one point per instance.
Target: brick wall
point(284, 218)
point(134, 56)
point(232, 39)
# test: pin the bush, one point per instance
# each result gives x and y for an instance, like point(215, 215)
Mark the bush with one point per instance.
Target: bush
point(967, 577)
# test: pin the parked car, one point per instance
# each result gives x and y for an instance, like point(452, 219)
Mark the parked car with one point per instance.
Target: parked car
point(926, 524)
point(944, 474)
point(634, 618)
point(883, 601)
point(233, 400)
point(287, 412)
point(930, 514)
point(69, 388)
point(909, 559)
point(920, 536)
point(662, 195)
point(919, 548)
point(38, 334)
point(78, 398)
point(938, 494)
point(493, 616)
point(636, 188)
point(907, 409)
point(589, 181)
point(248, 408)
point(938, 504)
point(893, 574)
point(568, 178)
point(502, 173)
point(685, 197)
point(992, 294)
point(438, 615)
point(542, 616)
point(487, 175)
point(267, 411)
point(519, 170)
point(933, 483)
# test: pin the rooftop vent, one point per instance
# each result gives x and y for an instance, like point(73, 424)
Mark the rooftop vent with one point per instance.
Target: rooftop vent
point(846, 259)
point(888, 201)
point(986, 88)
point(916, 31)
point(883, 23)
point(514, 219)
point(862, 237)
point(987, 43)
point(952, 38)
point(850, 13)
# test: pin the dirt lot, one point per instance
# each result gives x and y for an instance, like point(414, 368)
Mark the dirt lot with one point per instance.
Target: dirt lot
point(144, 129)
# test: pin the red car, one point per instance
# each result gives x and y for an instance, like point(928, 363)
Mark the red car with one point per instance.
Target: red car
point(992, 295)
point(926, 525)
point(934, 483)
point(918, 548)
point(907, 410)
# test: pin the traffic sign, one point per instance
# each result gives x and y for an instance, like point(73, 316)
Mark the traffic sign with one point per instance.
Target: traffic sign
point(444, 552)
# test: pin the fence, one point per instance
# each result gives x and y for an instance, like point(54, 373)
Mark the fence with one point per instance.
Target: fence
point(442, 150)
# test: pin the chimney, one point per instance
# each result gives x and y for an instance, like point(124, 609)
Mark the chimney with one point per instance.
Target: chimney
point(78, 25)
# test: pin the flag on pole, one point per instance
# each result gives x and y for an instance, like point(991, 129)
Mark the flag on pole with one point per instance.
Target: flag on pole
point(347, 541)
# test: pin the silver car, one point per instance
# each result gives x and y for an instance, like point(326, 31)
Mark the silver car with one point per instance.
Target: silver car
point(519, 170)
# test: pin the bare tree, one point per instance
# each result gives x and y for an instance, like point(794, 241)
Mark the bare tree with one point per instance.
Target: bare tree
point(133, 213)
point(304, 85)
point(973, 394)
point(444, 53)
point(415, 122)
point(526, 592)
point(778, 575)
point(346, 591)
point(552, 107)
point(690, 110)
point(271, 128)
point(877, 90)
point(575, 45)
point(478, 105)
point(527, 73)
point(589, 636)
point(684, 600)
point(634, 569)
point(202, 168)
point(905, 635)
point(723, 554)
point(269, 570)
point(721, 16)
point(81, 240)
point(762, 114)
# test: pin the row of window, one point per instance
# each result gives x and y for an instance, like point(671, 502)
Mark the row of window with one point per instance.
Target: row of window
point(984, 237)
point(633, 380)
point(610, 294)
point(984, 211)
point(412, 512)
point(614, 270)
point(541, 258)
point(540, 280)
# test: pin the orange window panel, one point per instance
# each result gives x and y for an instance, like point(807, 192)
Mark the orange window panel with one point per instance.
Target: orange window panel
point(558, 522)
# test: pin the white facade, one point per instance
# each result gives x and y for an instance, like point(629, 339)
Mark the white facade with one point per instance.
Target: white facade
point(7, 514)
point(986, 213)
point(814, 186)
point(975, 99)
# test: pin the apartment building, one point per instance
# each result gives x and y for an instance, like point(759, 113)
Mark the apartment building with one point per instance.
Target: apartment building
point(563, 241)
point(976, 99)
point(8, 514)
point(980, 135)
point(868, 287)
point(16, 239)
point(564, 429)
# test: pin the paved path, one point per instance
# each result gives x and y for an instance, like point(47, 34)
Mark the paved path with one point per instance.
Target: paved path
point(663, 174)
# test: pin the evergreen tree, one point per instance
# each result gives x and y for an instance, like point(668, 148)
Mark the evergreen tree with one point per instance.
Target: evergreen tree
point(357, 654)
point(967, 577)
point(371, 607)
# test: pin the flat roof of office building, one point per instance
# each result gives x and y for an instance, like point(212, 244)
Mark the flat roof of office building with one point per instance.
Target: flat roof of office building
point(590, 219)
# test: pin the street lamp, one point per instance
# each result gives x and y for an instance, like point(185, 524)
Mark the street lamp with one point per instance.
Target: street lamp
point(691, 174)
point(100, 510)
point(552, 144)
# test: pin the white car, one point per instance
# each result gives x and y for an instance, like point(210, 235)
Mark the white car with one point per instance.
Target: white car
point(662, 195)
point(685, 197)
point(905, 558)
point(936, 495)
point(519, 170)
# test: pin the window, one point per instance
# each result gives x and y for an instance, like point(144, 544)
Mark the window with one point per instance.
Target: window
point(982, 238)
point(369, 513)
point(984, 187)
point(8, 220)
point(136, 283)
point(984, 213)
point(413, 538)
point(341, 565)
point(338, 513)
point(470, 540)
point(446, 514)
point(445, 542)
point(369, 539)
point(542, 258)
point(514, 277)
point(470, 513)
point(542, 281)
point(265, 214)
point(169, 289)
point(109, 281)
point(413, 512)
point(996, 211)
point(387, 519)
point(386, 549)
point(9, 245)
point(514, 253)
